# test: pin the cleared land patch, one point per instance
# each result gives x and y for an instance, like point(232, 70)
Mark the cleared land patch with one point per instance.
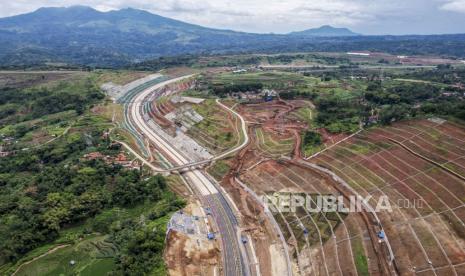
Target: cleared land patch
point(427, 223)
point(322, 242)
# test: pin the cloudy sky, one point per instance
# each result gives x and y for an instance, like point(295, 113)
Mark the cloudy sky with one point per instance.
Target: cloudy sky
point(264, 16)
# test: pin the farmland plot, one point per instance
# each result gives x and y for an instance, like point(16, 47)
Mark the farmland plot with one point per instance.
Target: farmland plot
point(323, 243)
point(419, 166)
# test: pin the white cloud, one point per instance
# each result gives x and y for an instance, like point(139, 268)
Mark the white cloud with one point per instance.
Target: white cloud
point(455, 6)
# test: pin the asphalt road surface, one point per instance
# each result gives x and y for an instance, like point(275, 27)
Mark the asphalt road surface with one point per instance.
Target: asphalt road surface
point(234, 262)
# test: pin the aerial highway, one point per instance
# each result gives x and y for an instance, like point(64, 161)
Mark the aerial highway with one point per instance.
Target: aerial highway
point(193, 165)
point(234, 262)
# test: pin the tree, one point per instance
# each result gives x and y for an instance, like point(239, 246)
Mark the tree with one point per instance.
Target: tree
point(312, 138)
point(58, 210)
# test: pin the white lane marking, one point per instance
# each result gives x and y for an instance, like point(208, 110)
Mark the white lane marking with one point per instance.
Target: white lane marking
point(204, 186)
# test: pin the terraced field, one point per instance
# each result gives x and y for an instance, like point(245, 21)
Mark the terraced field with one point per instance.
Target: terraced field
point(218, 131)
point(322, 243)
point(420, 166)
point(93, 256)
point(272, 145)
point(304, 114)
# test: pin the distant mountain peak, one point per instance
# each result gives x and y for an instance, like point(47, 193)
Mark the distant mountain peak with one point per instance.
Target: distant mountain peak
point(80, 8)
point(326, 30)
point(51, 13)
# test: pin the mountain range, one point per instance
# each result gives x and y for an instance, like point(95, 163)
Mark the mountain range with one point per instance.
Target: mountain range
point(82, 35)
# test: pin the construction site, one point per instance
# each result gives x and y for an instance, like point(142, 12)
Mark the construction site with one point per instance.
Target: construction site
point(414, 161)
point(318, 243)
point(191, 247)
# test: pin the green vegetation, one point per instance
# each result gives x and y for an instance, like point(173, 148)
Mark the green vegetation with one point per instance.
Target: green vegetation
point(395, 93)
point(30, 103)
point(311, 142)
point(343, 103)
point(49, 189)
point(269, 79)
point(443, 74)
point(35, 115)
point(225, 83)
point(337, 102)
point(398, 100)
point(99, 254)
point(38, 131)
point(52, 195)
point(196, 62)
point(92, 255)
point(362, 148)
point(361, 262)
point(141, 240)
point(304, 114)
point(272, 146)
point(308, 58)
point(219, 169)
point(215, 131)
point(338, 115)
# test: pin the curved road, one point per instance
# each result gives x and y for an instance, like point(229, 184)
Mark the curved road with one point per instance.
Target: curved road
point(244, 132)
point(207, 161)
point(233, 261)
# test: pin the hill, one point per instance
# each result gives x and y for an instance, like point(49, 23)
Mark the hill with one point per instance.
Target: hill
point(326, 30)
point(80, 36)
point(87, 36)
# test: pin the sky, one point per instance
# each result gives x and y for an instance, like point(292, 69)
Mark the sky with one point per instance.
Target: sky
point(396, 17)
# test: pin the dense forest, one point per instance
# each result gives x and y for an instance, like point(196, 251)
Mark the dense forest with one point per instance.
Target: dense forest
point(223, 90)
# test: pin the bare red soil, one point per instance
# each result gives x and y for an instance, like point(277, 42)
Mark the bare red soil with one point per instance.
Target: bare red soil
point(426, 229)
